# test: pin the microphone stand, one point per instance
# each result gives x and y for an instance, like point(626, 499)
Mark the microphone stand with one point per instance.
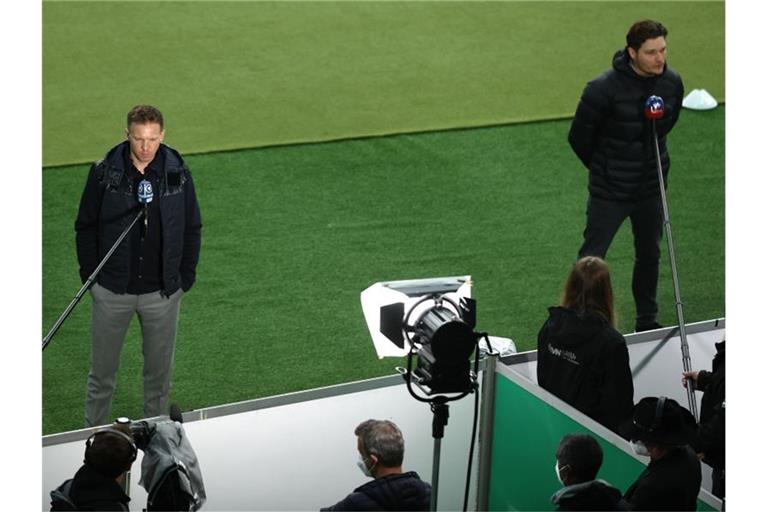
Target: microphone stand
point(89, 282)
point(678, 301)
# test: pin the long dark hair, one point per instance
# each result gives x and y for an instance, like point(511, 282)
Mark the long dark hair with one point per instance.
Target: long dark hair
point(588, 289)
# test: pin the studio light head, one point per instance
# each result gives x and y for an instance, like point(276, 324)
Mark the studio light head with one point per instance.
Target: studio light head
point(445, 342)
point(433, 319)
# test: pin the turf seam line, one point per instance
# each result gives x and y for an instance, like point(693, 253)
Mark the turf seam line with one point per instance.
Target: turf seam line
point(351, 138)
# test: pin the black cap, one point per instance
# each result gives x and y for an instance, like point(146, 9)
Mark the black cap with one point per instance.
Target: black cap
point(660, 420)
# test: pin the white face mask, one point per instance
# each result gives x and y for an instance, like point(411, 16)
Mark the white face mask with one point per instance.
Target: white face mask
point(557, 472)
point(639, 448)
point(365, 469)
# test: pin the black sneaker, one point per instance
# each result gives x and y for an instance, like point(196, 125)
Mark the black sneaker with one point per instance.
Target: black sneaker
point(648, 327)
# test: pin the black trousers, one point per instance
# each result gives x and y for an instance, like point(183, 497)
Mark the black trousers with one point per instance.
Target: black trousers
point(718, 482)
point(647, 217)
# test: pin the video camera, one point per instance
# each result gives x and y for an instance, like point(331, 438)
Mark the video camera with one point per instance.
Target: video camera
point(170, 472)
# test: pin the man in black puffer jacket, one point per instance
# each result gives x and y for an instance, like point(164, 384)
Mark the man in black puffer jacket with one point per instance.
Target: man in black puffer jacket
point(612, 138)
point(381, 447)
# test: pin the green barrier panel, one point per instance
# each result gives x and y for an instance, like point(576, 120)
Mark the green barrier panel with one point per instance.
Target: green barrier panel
point(526, 433)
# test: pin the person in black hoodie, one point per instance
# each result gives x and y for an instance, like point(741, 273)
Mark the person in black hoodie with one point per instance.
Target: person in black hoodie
point(381, 448)
point(663, 430)
point(579, 458)
point(98, 484)
point(582, 358)
point(614, 141)
point(710, 444)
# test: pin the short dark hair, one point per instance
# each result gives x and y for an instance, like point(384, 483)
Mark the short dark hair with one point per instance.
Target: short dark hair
point(383, 439)
point(110, 451)
point(643, 30)
point(143, 114)
point(582, 454)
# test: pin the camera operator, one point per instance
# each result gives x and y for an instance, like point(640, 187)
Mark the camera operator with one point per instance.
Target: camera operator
point(98, 484)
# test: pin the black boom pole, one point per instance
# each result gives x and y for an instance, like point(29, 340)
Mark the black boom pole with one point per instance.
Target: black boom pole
point(89, 281)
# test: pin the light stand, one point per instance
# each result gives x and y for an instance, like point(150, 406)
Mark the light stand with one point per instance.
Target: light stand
point(436, 327)
point(89, 282)
point(439, 421)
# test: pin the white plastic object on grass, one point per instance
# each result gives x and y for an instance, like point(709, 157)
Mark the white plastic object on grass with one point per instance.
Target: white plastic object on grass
point(699, 99)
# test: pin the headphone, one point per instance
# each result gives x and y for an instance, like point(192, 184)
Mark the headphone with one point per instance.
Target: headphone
point(113, 432)
point(658, 416)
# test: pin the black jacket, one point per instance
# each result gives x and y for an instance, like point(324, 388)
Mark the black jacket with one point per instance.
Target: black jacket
point(109, 204)
point(592, 495)
point(405, 491)
point(711, 440)
point(585, 362)
point(669, 483)
point(611, 136)
point(89, 490)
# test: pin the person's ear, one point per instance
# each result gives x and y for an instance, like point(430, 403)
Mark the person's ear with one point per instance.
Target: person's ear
point(632, 53)
point(374, 460)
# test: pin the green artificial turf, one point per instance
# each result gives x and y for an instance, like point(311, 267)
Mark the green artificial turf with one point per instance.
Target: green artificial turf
point(248, 74)
point(293, 234)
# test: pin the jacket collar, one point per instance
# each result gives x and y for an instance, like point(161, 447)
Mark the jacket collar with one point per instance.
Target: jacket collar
point(572, 490)
point(115, 157)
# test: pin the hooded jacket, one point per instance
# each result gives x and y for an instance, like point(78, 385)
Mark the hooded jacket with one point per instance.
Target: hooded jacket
point(669, 483)
point(711, 439)
point(592, 495)
point(405, 491)
point(109, 204)
point(89, 490)
point(585, 362)
point(611, 136)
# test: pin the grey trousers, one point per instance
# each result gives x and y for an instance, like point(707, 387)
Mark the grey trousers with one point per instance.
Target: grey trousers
point(111, 314)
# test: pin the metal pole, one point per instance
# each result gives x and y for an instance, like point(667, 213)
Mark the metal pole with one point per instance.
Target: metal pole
point(485, 438)
point(435, 474)
point(439, 421)
point(675, 283)
point(88, 282)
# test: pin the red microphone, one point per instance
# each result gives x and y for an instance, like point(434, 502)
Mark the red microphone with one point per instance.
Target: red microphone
point(654, 107)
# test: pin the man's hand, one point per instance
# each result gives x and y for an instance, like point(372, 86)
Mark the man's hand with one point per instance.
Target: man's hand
point(690, 375)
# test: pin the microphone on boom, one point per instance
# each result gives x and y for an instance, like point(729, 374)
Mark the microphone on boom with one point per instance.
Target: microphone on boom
point(654, 107)
point(145, 196)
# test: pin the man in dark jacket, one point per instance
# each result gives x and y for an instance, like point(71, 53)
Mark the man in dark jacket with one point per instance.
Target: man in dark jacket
point(381, 447)
point(579, 458)
point(612, 138)
point(585, 362)
point(662, 430)
point(711, 442)
point(150, 269)
point(98, 484)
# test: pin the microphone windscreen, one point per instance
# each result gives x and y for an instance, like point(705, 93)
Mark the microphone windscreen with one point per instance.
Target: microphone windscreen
point(145, 192)
point(175, 413)
point(654, 107)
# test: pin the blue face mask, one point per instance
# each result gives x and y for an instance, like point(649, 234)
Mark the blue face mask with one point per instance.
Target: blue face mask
point(365, 469)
